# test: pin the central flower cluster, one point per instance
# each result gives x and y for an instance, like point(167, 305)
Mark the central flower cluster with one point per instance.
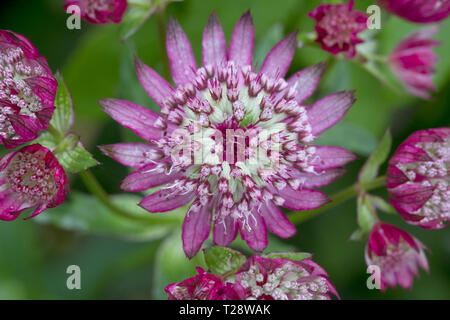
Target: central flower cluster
point(30, 177)
point(257, 113)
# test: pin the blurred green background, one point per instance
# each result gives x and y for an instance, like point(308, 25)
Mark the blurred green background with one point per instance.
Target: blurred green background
point(122, 259)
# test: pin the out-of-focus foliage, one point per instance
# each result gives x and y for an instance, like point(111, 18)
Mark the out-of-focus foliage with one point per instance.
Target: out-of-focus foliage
point(128, 259)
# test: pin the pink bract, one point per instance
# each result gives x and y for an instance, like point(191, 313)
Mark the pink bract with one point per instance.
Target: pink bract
point(283, 279)
point(338, 26)
point(204, 286)
point(397, 254)
point(27, 90)
point(30, 177)
point(227, 94)
point(419, 11)
point(413, 61)
point(100, 11)
point(418, 178)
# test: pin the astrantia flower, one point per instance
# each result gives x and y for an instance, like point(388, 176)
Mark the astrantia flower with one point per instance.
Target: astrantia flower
point(337, 27)
point(418, 178)
point(27, 90)
point(30, 177)
point(236, 142)
point(204, 286)
point(100, 11)
point(283, 279)
point(396, 253)
point(259, 278)
point(420, 11)
point(413, 61)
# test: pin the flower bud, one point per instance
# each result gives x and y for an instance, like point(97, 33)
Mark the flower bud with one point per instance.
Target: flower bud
point(396, 253)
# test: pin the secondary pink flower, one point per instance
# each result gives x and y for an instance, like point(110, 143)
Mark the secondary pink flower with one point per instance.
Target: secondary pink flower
point(420, 11)
point(30, 177)
point(418, 178)
point(204, 286)
point(100, 11)
point(413, 61)
point(283, 279)
point(227, 108)
point(27, 90)
point(397, 254)
point(337, 27)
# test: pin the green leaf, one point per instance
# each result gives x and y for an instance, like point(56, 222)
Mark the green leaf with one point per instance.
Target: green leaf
point(138, 12)
point(370, 169)
point(85, 213)
point(69, 151)
point(381, 204)
point(366, 213)
point(172, 265)
point(63, 115)
point(73, 156)
point(294, 256)
point(221, 260)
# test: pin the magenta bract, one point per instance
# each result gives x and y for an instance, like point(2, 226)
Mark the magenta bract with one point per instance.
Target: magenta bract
point(30, 177)
point(236, 142)
point(413, 62)
point(100, 11)
point(283, 279)
point(417, 178)
point(419, 11)
point(396, 253)
point(27, 90)
point(204, 286)
point(337, 27)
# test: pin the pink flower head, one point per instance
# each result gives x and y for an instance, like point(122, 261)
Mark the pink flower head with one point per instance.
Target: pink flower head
point(30, 177)
point(283, 279)
point(396, 253)
point(419, 11)
point(202, 146)
point(204, 286)
point(27, 90)
point(413, 61)
point(417, 178)
point(100, 11)
point(337, 27)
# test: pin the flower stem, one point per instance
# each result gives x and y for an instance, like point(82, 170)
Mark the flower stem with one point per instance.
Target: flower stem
point(53, 131)
point(97, 190)
point(338, 198)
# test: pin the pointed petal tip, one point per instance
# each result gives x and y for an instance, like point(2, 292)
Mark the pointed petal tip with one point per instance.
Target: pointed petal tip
point(293, 34)
point(137, 62)
point(105, 149)
point(189, 253)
